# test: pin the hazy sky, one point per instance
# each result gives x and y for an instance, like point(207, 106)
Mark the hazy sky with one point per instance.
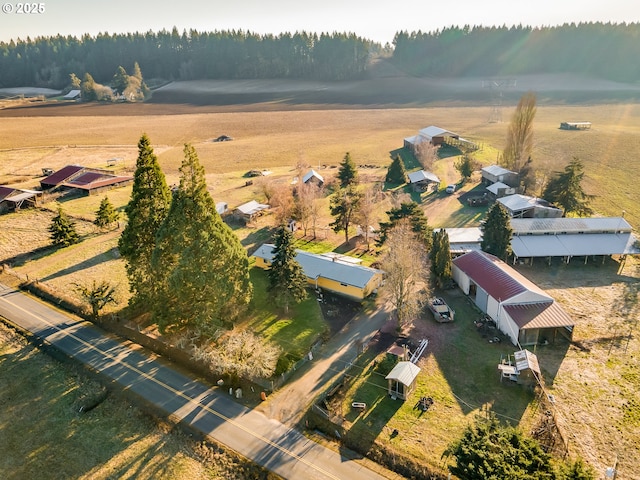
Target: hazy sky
point(374, 19)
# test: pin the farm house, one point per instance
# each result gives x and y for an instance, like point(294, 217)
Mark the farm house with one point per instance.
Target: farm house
point(330, 271)
point(521, 310)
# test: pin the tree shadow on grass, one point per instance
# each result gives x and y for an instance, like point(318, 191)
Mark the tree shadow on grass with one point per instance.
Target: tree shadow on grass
point(104, 257)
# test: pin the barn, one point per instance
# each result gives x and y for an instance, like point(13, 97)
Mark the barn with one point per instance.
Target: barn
point(330, 271)
point(15, 198)
point(520, 309)
point(437, 136)
point(88, 180)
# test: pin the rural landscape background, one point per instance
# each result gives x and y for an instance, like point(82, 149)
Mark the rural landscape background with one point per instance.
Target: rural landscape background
point(282, 126)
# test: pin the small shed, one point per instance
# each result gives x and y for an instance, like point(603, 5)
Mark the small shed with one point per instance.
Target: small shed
point(313, 177)
point(499, 190)
point(524, 369)
point(72, 95)
point(402, 380)
point(222, 208)
point(250, 210)
point(422, 180)
point(575, 125)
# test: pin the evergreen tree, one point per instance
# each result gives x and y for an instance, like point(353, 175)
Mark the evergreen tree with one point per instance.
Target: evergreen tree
point(199, 264)
point(106, 215)
point(565, 190)
point(497, 232)
point(396, 174)
point(63, 230)
point(440, 256)
point(120, 80)
point(489, 450)
point(416, 217)
point(145, 211)
point(348, 173)
point(465, 167)
point(286, 280)
point(88, 88)
point(343, 207)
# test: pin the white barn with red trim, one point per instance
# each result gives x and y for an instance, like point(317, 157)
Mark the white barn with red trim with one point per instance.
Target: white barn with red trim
point(522, 310)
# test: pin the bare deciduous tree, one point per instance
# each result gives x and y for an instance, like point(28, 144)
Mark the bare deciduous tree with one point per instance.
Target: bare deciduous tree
point(366, 213)
point(282, 203)
point(306, 205)
point(406, 272)
point(519, 145)
point(427, 154)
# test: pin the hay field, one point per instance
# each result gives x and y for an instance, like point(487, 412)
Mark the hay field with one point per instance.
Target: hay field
point(281, 139)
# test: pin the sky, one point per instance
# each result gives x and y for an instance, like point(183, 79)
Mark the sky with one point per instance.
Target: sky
point(376, 20)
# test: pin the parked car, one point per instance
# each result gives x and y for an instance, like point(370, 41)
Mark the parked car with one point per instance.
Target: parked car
point(450, 188)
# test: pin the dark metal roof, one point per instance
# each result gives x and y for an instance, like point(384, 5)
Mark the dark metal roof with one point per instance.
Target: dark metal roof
point(5, 192)
point(494, 276)
point(538, 315)
point(60, 176)
point(100, 181)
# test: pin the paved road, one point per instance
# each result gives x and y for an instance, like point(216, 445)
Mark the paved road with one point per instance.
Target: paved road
point(268, 442)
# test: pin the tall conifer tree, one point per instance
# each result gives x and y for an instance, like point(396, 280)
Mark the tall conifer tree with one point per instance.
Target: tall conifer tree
point(146, 210)
point(348, 173)
point(201, 268)
point(286, 279)
point(497, 232)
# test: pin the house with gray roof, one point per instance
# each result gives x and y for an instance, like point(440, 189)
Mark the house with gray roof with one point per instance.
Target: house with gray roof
point(337, 273)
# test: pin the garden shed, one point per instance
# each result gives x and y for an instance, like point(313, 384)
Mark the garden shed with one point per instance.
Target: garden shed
point(402, 380)
point(313, 177)
point(422, 180)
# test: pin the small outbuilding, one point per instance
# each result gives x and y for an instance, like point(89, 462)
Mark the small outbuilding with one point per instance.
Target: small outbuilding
point(523, 206)
point(575, 125)
point(402, 380)
point(313, 177)
point(249, 211)
point(495, 173)
point(422, 180)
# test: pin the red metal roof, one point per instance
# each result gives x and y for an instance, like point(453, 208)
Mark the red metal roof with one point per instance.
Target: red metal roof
point(60, 176)
point(538, 315)
point(494, 276)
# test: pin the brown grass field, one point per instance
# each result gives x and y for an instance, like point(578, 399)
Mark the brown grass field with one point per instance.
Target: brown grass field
point(596, 387)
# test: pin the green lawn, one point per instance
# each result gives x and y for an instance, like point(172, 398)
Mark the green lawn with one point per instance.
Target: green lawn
point(461, 376)
point(295, 332)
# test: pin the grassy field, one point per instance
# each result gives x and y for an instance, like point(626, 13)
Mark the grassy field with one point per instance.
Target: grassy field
point(43, 435)
point(596, 387)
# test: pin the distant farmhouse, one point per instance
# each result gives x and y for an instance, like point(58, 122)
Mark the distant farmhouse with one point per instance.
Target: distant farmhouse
point(88, 180)
point(520, 309)
point(330, 271)
point(438, 136)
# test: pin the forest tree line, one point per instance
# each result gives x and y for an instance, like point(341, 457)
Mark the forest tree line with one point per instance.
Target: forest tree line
point(48, 61)
point(601, 50)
